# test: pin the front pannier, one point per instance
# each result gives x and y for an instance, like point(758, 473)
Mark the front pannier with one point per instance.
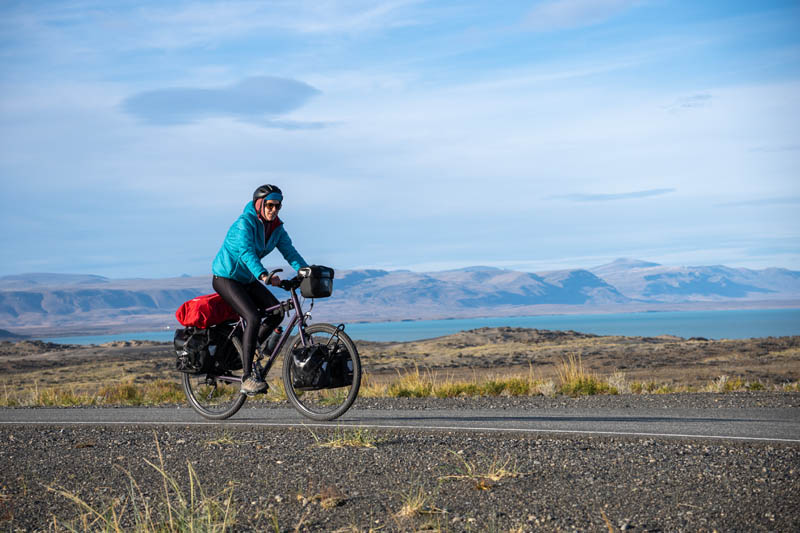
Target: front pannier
point(321, 367)
point(341, 368)
point(309, 364)
point(316, 282)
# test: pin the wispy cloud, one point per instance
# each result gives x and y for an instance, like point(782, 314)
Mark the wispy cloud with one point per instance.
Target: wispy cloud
point(614, 196)
point(685, 103)
point(174, 25)
point(562, 14)
point(252, 100)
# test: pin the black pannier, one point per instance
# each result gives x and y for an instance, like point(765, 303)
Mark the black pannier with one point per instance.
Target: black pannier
point(341, 368)
point(191, 348)
point(318, 367)
point(316, 282)
point(203, 351)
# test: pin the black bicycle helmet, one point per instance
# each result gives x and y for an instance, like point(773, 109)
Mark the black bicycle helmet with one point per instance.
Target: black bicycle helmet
point(265, 190)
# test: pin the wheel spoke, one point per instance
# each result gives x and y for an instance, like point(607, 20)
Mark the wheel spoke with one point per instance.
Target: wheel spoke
point(217, 397)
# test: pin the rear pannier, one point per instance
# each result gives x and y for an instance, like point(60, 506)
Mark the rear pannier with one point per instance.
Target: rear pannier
point(204, 351)
point(192, 350)
point(316, 282)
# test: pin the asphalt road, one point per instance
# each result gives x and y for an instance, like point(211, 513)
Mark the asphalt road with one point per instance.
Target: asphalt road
point(758, 424)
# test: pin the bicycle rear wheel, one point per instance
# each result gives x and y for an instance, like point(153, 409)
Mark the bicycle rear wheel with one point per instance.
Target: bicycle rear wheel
point(216, 397)
point(329, 403)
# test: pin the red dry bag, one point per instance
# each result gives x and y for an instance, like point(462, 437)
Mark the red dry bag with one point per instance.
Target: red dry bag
point(205, 311)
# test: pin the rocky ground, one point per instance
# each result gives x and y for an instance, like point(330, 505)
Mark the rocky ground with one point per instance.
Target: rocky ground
point(286, 480)
point(486, 351)
point(290, 480)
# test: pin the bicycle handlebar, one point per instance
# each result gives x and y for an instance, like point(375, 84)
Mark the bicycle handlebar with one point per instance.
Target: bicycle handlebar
point(289, 284)
point(285, 284)
point(269, 276)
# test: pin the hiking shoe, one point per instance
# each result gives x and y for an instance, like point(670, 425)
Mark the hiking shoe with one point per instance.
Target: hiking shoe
point(252, 385)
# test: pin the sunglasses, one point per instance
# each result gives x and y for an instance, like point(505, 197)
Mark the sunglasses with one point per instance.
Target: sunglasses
point(269, 206)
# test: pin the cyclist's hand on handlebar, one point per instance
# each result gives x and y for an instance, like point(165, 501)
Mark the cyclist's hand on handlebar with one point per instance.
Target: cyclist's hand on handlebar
point(275, 281)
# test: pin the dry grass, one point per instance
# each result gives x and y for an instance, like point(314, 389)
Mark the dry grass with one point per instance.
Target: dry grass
point(485, 362)
point(486, 476)
point(791, 387)
point(725, 383)
point(416, 501)
point(226, 439)
point(572, 380)
point(157, 392)
point(174, 511)
point(328, 497)
point(575, 381)
point(357, 437)
point(427, 384)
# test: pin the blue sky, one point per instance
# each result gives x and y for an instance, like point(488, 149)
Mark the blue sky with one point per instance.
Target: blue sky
point(405, 134)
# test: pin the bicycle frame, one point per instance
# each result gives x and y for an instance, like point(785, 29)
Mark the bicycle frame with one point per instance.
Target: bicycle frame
point(298, 319)
point(308, 388)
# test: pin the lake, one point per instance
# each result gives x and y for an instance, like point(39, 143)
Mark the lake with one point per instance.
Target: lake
point(738, 324)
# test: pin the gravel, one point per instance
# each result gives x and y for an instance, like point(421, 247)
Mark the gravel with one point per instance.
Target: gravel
point(283, 479)
point(699, 400)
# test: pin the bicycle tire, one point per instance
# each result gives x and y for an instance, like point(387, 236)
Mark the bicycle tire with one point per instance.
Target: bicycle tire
point(204, 394)
point(325, 404)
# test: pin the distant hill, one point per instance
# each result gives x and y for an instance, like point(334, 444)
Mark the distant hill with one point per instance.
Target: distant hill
point(82, 302)
point(473, 287)
point(653, 282)
point(38, 280)
point(6, 335)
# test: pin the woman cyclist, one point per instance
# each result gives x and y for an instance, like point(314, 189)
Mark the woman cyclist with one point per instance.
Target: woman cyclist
point(237, 270)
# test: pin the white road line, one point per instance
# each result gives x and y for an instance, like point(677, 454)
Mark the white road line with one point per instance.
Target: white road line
point(386, 426)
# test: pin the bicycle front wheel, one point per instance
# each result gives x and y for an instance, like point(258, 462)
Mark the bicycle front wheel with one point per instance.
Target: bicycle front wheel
point(216, 397)
point(327, 403)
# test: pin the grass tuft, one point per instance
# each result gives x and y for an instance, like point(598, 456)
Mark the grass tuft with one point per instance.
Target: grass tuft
point(725, 383)
point(226, 439)
point(792, 387)
point(575, 381)
point(175, 512)
point(357, 437)
point(416, 502)
point(412, 384)
point(483, 478)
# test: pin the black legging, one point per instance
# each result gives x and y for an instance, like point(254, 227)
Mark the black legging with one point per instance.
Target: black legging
point(249, 301)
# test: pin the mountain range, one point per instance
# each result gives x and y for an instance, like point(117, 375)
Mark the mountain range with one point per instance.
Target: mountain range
point(40, 303)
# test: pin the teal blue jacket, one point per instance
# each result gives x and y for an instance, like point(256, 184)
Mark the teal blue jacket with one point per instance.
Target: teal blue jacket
point(246, 243)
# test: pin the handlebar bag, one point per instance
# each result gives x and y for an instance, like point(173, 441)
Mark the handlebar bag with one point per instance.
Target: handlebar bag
point(205, 311)
point(316, 282)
